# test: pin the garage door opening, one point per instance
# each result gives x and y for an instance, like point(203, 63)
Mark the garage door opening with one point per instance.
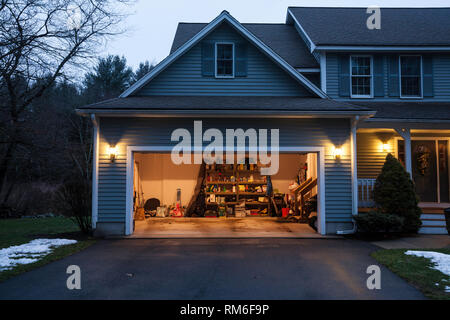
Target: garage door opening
point(225, 199)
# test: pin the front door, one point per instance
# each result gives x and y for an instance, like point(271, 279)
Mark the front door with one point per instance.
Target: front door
point(424, 169)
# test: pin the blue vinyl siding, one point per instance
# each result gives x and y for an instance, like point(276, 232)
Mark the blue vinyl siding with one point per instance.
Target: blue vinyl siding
point(441, 78)
point(157, 132)
point(184, 76)
point(332, 75)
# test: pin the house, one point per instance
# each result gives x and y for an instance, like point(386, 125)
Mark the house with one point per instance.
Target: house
point(341, 96)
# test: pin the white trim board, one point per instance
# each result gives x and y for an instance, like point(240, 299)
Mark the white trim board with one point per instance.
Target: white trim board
point(311, 43)
point(321, 211)
point(224, 16)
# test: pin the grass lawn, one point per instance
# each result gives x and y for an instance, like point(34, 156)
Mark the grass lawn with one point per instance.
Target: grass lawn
point(20, 231)
point(417, 271)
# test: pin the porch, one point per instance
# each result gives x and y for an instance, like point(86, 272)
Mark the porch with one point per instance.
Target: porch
point(425, 155)
point(433, 219)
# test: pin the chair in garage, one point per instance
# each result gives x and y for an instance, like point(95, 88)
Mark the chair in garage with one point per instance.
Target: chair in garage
point(150, 207)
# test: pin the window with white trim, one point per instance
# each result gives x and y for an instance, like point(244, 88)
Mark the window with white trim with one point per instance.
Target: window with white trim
point(361, 76)
point(410, 76)
point(224, 60)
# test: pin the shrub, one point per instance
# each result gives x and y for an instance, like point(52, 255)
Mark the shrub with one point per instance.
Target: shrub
point(396, 201)
point(75, 201)
point(394, 194)
point(378, 222)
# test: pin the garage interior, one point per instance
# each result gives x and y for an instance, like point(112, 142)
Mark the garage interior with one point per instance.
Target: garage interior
point(213, 199)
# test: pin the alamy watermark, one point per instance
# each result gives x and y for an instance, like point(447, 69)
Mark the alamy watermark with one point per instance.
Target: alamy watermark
point(74, 17)
point(374, 20)
point(73, 282)
point(374, 280)
point(190, 147)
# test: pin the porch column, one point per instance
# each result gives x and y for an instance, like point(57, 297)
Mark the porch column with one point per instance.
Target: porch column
point(405, 133)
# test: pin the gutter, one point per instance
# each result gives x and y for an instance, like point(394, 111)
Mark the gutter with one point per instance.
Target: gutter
point(230, 113)
point(408, 120)
point(346, 232)
point(350, 48)
point(95, 138)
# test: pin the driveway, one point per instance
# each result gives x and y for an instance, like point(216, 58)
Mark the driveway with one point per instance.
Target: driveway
point(250, 227)
point(214, 269)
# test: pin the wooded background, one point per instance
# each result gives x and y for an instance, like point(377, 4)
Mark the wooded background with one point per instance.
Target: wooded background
point(45, 148)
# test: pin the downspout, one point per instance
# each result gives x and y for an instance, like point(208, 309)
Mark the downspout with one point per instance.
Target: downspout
point(354, 123)
point(95, 138)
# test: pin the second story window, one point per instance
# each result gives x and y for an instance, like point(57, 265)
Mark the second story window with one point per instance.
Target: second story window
point(224, 60)
point(361, 76)
point(410, 76)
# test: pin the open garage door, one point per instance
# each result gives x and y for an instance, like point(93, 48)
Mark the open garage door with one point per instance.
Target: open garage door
point(224, 200)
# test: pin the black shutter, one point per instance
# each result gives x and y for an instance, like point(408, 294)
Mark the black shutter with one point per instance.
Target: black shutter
point(240, 59)
point(208, 56)
point(378, 75)
point(427, 62)
point(344, 75)
point(394, 90)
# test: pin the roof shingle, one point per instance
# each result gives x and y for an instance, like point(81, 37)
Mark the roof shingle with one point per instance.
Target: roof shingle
point(399, 26)
point(281, 38)
point(236, 104)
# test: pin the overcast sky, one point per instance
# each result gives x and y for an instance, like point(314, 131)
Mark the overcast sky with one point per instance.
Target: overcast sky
point(154, 22)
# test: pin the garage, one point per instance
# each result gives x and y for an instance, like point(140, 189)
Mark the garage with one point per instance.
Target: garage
point(232, 199)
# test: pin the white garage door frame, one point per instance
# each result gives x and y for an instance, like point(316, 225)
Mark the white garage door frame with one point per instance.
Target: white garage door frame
point(321, 212)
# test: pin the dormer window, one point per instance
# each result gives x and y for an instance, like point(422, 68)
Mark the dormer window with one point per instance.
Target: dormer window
point(224, 60)
point(410, 76)
point(361, 76)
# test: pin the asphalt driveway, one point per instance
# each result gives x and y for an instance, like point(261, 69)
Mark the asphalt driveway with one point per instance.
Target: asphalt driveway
point(214, 269)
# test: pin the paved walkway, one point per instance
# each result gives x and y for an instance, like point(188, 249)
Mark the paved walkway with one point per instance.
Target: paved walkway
point(214, 269)
point(421, 241)
point(251, 227)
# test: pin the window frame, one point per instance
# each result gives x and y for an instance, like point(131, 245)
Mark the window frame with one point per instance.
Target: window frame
point(233, 60)
point(400, 76)
point(361, 96)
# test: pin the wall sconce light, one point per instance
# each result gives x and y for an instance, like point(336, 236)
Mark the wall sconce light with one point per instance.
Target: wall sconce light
point(112, 153)
point(338, 153)
point(385, 147)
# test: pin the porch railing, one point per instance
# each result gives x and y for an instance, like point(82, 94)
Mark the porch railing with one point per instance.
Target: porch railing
point(365, 193)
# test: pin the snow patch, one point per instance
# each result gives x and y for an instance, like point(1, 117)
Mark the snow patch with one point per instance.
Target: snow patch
point(441, 261)
point(29, 252)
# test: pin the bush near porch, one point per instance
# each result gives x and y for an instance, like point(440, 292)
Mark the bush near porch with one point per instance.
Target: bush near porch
point(397, 209)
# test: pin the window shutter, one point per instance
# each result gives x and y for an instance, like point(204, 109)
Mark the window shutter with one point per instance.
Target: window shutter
point(208, 55)
point(378, 75)
point(241, 60)
point(427, 62)
point(394, 90)
point(344, 75)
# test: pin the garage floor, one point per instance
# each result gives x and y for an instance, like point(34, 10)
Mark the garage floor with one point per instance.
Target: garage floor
point(257, 227)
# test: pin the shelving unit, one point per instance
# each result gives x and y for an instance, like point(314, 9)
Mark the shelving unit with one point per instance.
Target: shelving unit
point(236, 196)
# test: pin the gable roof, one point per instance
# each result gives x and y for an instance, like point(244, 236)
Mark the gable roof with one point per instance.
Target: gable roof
point(228, 105)
point(399, 26)
point(225, 17)
point(281, 38)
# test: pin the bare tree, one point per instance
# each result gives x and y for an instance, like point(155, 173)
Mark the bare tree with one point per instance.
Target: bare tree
point(42, 41)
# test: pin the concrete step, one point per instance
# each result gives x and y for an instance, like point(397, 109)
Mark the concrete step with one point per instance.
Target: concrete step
point(433, 230)
point(433, 223)
point(428, 216)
